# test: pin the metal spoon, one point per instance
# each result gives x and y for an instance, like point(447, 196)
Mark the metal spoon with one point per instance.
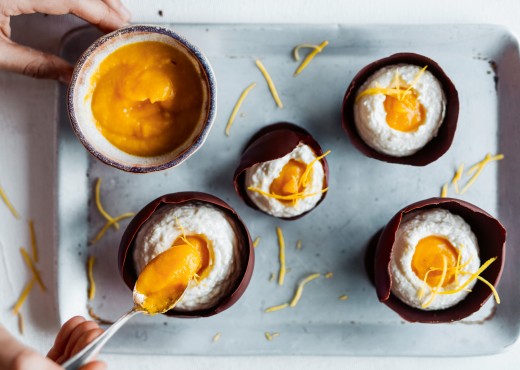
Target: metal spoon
point(94, 347)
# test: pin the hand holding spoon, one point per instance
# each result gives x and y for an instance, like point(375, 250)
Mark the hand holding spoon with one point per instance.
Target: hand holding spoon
point(159, 287)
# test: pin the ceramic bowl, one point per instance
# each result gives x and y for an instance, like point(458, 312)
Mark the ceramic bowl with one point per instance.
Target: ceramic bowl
point(80, 98)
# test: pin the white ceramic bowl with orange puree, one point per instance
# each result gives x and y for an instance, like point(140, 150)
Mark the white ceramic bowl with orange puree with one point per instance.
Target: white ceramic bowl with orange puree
point(142, 99)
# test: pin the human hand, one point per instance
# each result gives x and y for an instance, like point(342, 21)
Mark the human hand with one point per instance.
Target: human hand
point(107, 15)
point(74, 335)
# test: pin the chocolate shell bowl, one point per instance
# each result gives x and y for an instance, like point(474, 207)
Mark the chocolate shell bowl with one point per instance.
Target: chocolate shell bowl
point(244, 261)
point(489, 233)
point(280, 142)
point(436, 146)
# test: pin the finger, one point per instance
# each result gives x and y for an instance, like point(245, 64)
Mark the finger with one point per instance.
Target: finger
point(119, 8)
point(93, 11)
point(100, 14)
point(28, 359)
point(94, 365)
point(33, 63)
point(75, 336)
point(63, 337)
point(85, 339)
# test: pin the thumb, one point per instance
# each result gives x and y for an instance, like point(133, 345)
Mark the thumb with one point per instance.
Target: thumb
point(33, 63)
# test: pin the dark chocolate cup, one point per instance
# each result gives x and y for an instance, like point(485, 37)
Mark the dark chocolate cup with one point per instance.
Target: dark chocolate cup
point(491, 236)
point(437, 146)
point(270, 143)
point(247, 256)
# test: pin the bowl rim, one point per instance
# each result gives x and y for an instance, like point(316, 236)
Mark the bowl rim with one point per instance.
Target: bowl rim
point(211, 87)
point(432, 150)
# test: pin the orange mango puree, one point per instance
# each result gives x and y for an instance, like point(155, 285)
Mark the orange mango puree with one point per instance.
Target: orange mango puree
point(165, 278)
point(288, 182)
point(429, 254)
point(404, 113)
point(148, 98)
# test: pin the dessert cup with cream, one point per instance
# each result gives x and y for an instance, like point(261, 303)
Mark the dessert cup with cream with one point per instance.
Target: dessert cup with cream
point(142, 98)
point(401, 109)
point(202, 232)
point(282, 172)
point(437, 260)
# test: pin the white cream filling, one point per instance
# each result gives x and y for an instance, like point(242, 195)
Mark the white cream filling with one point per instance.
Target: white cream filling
point(262, 175)
point(415, 226)
point(370, 113)
point(161, 230)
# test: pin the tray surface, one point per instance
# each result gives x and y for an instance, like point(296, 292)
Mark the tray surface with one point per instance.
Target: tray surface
point(363, 195)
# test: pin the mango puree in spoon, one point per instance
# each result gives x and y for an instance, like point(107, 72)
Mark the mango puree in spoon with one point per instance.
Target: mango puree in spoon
point(163, 281)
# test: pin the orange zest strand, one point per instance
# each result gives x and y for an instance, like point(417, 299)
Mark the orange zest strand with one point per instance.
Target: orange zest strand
point(90, 274)
point(414, 82)
point(281, 244)
point(100, 208)
point(32, 267)
point(472, 277)
point(421, 291)
point(304, 179)
point(458, 267)
point(216, 337)
point(296, 50)
point(270, 83)
point(477, 169)
point(444, 191)
point(277, 308)
point(318, 49)
point(456, 178)
point(495, 293)
point(394, 89)
point(21, 325)
point(237, 106)
point(270, 336)
point(105, 228)
point(23, 295)
point(97, 318)
point(8, 203)
point(256, 242)
point(439, 285)
point(34, 246)
point(299, 289)
point(294, 196)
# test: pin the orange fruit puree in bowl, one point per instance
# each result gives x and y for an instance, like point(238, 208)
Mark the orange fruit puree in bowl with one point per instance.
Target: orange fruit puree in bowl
point(149, 98)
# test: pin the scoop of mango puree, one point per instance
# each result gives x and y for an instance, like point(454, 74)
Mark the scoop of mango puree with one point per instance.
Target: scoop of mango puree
point(148, 98)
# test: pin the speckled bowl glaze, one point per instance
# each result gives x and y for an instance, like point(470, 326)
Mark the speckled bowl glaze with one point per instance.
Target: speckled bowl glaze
point(80, 97)
point(245, 246)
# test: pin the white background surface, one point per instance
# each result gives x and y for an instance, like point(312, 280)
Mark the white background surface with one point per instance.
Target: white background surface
point(27, 156)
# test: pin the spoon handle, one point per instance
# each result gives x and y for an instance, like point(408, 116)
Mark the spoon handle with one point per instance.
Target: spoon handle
point(93, 348)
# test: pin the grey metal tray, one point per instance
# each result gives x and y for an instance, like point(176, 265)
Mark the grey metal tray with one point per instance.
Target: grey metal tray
point(363, 195)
